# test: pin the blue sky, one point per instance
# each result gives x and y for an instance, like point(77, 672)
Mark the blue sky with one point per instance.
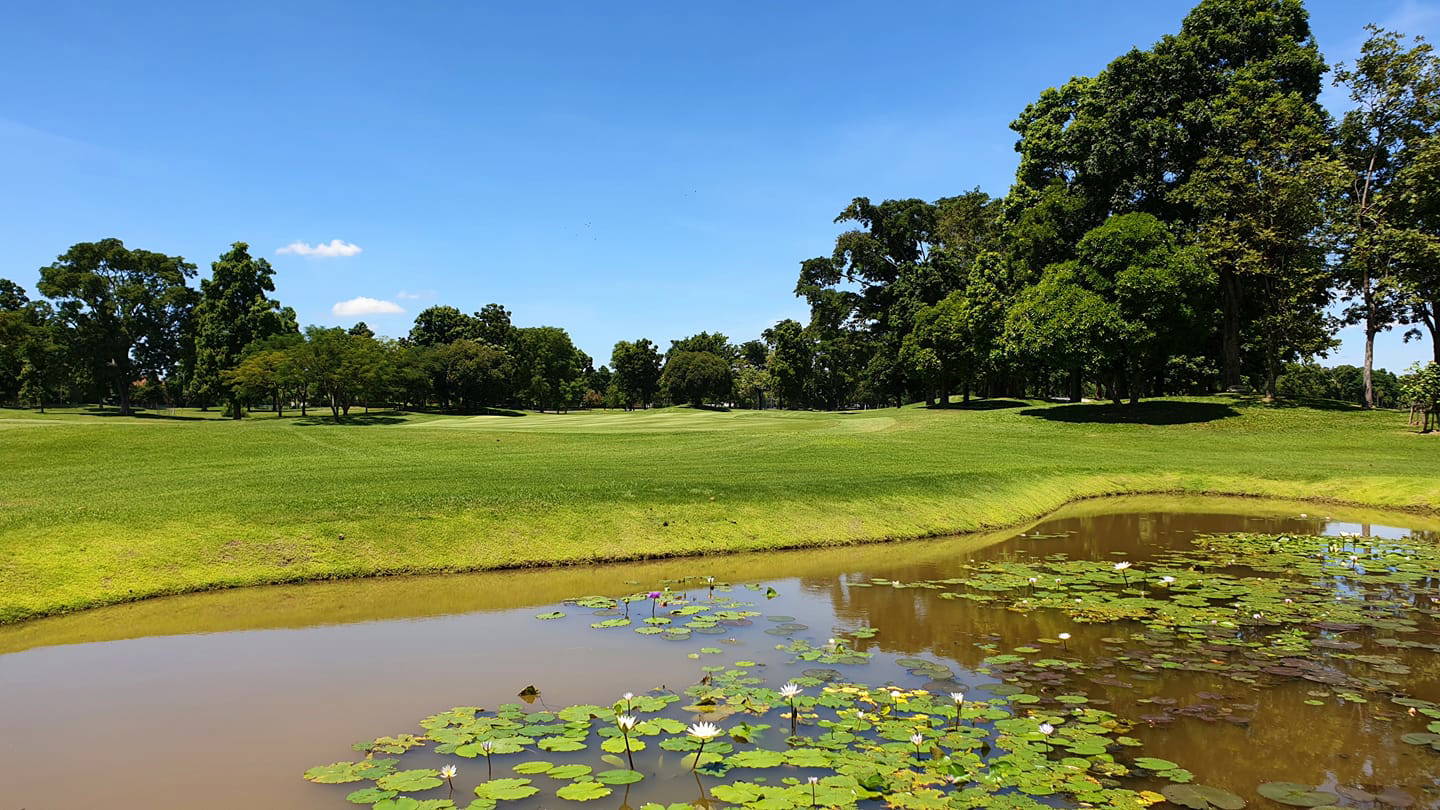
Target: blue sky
point(622, 170)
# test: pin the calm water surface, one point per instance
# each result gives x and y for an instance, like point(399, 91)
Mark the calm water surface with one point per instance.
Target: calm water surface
point(222, 700)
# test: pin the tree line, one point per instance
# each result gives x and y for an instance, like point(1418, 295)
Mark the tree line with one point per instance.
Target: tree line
point(1190, 219)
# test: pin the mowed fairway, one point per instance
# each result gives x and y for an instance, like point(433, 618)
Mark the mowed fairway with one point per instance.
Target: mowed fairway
point(97, 509)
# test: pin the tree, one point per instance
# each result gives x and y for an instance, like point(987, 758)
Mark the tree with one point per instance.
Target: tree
point(1130, 300)
point(696, 377)
point(128, 306)
point(1417, 247)
point(550, 371)
point(475, 372)
point(713, 342)
point(1396, 91)
point(1421, 386)
point(438, 325)
point(361, 329)
point(492, 325)
point(790, 363)
point(636, 367)
point(233, 312)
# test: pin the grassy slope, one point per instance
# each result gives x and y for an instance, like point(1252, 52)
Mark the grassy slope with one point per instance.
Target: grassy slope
point(98, 509)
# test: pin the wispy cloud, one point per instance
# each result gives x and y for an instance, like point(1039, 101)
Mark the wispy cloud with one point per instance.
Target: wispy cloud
point(324, 250)
point(415, 296)
point(360, 305)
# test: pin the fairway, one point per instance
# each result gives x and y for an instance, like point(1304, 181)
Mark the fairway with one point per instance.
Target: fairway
point(102, 508)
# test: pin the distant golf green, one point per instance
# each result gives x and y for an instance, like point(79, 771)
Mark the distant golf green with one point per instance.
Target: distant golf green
point(99, 508)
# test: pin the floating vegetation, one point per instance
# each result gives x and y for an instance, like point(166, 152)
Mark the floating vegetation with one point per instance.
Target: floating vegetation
point(858, 743)
point(1258, 610)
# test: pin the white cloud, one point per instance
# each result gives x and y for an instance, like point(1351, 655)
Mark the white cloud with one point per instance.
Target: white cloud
point(360, 305)
point(415, 295)
point(336, 247)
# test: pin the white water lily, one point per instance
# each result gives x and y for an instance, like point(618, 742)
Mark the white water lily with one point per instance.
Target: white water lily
point(449, 771)
point(626, 721)
point(487, 746)
point(917, 738)
point(1047, 729)
point(703, 731)
point(1121, 566)
point(1168, 580)
point(814, 779)
point(628, 696)
point(958, 697)
point(790, 690)
point(1064, 636)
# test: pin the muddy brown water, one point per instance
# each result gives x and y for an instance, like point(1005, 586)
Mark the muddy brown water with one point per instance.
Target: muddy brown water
point(222, 700)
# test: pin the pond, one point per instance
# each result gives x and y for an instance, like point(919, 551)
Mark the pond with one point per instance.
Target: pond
point(1309, 667)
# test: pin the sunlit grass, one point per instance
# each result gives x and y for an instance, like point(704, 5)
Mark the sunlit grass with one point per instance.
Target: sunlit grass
point(100, 508)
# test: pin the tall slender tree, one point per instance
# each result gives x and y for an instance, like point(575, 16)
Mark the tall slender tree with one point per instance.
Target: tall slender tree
point(234, 311)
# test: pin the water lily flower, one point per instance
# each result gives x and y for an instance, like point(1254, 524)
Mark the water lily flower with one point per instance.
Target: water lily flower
point(814, 780)
point(704, 732)
point(1122, 567)
point(448, 772)
point(959, 698)
point(1046, 729)
point(1064, 640)
point(626, 722)
point(789, 691)
point(485, 748)
point(1168, 580)
point(916, 739)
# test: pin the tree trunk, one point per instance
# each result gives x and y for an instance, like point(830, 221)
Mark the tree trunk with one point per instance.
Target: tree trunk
point(1075, 385)
point(1368, 370)
point(1230, 295)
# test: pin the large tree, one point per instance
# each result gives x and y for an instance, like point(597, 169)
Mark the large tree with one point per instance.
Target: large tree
point(234, 311)
point(697, 377)
point(1396, 92)
point(128, 306)
point(549, 369)
point(636, 367)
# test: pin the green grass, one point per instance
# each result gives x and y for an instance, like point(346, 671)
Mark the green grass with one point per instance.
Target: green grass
point(96, 509)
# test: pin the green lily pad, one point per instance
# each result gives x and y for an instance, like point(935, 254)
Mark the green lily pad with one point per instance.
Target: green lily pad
point(583, 791)
point(619, 776)
point(410, 781)
point(507, 789)
point(1202, 797)
point(1296, 795)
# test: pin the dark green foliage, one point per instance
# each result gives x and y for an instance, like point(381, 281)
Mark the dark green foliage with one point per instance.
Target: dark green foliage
point(696, 377)
point(129, 309)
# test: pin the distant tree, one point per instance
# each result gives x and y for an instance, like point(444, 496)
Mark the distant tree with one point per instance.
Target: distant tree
point(550, 371)
point(475, 373)
point(263, 373)
point(129, 308)
point(1420, 387)
point(636, 367)
point(492, 325)
point(713, 342)
point(438, 325)
point(791, 362)
point(233, 312)
point(696, 377)
point(361, 329)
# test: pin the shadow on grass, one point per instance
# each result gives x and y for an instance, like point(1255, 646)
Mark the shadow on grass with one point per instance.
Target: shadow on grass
point(979, 405)
point(354, 419)
point(141, 413)
point(1154, 412)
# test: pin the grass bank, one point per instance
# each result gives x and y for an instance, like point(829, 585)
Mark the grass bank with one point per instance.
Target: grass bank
point(97, 509)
